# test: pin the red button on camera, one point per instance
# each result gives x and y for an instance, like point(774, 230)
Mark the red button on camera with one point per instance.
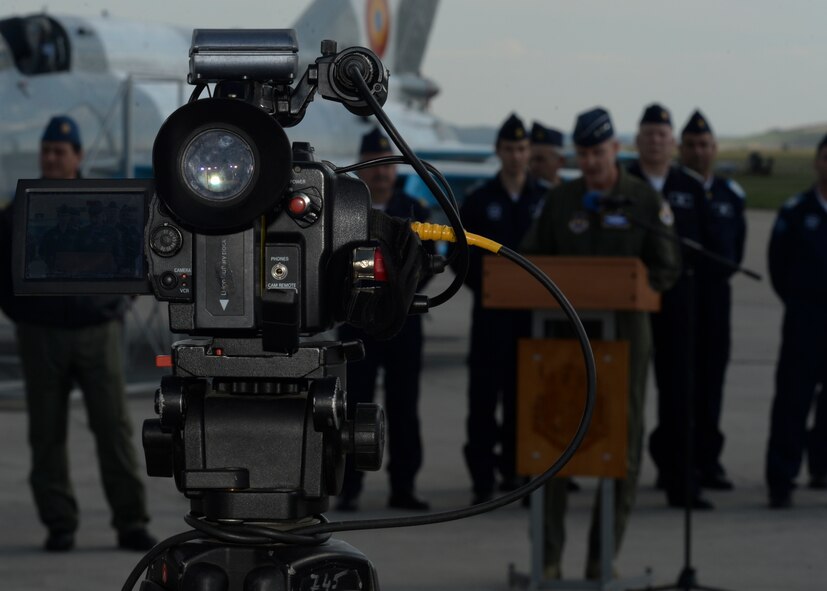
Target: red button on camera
point(298, 204)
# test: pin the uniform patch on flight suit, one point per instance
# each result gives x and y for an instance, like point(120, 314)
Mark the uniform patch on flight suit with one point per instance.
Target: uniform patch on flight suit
point(681, 199)
point(615, 221)
point(665, 215)
point(723, 210)
point(494, 212)
point(579, 222)
point(812, 221)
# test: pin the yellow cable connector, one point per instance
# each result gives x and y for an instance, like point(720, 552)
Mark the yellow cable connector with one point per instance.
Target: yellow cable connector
point(446, 233)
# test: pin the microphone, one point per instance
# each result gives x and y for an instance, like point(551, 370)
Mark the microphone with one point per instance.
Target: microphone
point(595, 201)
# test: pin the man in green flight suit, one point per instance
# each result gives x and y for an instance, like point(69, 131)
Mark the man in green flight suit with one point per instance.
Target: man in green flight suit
point(577, 219)
point(74, 340)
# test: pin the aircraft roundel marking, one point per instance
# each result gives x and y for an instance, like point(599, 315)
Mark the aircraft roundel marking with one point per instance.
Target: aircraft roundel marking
point(378, 23)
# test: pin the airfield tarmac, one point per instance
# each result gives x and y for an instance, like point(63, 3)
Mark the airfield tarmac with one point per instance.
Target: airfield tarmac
point(741, 545)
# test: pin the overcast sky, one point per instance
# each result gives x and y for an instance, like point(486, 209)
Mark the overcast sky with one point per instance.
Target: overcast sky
point(750, 65)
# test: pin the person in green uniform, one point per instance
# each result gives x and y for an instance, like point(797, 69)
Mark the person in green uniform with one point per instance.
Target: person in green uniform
point(571, 225)
point(68, 340)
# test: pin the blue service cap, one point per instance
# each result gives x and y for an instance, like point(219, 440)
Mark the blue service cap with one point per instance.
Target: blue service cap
point(374, 142)
point(592, 127)
point(62, 128)
point(656, 113)
point(546, 135)
point(697, 124)
point(512, 129)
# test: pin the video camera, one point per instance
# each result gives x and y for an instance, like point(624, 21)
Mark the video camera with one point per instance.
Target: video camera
point(256, 246)
point(243, 234)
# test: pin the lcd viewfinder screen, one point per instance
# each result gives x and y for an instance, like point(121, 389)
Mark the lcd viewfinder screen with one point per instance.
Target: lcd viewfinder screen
point(79, 236)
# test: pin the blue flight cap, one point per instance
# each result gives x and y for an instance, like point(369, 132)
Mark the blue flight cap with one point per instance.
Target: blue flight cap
point(62, 129)
point(546, 135)
point(697, 124)
point(512, 130)
point(374, 142)
point(592, 127)
point(656, 113)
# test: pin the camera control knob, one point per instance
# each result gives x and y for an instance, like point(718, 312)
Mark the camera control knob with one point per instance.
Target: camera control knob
point(166, 240)
point(170, 403)
point(365, 436)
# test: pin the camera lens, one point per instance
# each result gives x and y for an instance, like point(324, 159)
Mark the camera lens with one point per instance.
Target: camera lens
point(218, 165)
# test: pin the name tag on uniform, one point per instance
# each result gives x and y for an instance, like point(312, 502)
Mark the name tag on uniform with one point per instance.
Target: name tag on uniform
point(723, 210)
point(681, 200)
point(614, 221)
point(812, 222)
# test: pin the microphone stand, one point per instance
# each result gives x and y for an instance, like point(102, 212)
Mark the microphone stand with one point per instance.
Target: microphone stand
point(687, 579)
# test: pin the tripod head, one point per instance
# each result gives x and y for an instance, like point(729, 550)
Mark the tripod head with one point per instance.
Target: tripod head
point(254, 435)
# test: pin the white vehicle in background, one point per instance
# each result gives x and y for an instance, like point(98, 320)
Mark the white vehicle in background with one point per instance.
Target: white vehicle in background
point(121, 79)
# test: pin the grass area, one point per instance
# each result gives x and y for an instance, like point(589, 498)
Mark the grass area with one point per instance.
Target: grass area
point(792, 172)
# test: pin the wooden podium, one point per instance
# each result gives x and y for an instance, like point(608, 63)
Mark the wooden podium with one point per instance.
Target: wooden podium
point(590, 283)
point(551, 382)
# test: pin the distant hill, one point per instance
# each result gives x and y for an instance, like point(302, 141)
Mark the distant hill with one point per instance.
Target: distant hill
point(486, 134)
point(794, 138)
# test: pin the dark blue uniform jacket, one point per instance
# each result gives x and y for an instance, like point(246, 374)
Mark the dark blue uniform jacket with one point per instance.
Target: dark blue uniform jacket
point(798, 251)
point(726, 227)
point(489, 211)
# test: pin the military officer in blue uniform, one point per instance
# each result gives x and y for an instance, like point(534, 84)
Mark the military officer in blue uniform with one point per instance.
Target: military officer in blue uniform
point(673, 355)
point(399, 357)
point(502, 209)
point(724, 234)
point(546, 156)
point(798, 270)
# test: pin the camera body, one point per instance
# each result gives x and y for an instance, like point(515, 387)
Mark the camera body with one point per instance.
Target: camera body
point(243, 234)
point(288, 273)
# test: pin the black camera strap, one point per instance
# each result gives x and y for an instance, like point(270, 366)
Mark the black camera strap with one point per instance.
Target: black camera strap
point(383, 312)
